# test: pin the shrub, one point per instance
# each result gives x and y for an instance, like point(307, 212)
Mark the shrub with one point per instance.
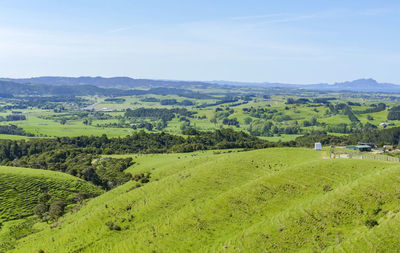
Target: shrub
point(41, 210)
point(44, 197)
point(327, 188)
point(370, 223)
point(113, 226)
point(143, 178)
point(56, 209)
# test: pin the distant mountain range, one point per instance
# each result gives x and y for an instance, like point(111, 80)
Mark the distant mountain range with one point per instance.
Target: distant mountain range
point(360, 85)
point(112, 82)
point(22, 87)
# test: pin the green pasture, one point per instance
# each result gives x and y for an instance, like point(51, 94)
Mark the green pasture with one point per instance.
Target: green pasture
point(273, 200)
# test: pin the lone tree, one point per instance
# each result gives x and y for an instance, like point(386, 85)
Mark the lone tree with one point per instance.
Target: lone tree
point(56, 209)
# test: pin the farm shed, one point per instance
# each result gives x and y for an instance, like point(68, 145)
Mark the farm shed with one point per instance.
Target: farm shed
point(372, 145)
point(385, 124)
point(361, 148)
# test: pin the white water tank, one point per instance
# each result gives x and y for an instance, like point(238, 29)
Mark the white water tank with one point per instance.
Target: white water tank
point(317, 146)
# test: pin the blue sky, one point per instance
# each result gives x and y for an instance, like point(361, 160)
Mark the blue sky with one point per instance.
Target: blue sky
point(273, 41)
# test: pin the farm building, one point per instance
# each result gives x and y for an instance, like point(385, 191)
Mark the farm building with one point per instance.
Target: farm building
point(388, 147)
point(361, 148)
point(385, 124)
point(372, 145)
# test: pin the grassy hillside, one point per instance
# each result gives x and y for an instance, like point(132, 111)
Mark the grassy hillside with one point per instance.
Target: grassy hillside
point(20, 189)
point(274, 200)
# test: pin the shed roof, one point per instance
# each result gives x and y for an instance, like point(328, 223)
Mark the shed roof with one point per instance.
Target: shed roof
point(363, 146)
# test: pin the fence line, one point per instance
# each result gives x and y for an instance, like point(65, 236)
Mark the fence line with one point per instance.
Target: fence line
point(365, 157)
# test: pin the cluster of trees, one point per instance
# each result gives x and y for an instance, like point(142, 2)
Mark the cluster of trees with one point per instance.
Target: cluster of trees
point(86, 116)
point(43, 102)
point(168, 102)
point(224, 100)
point(185, 123)
point(394, 113)
point(389, 136)
point(49, 208)
point(237, 104)
point(221, 114)
point(291, 101)
point(146, 125)
point(374, 108)
point(139, 142)
point(262, 113)
point(349, 112)
point(323, 100)
point(345, 110)
point(385, 136)
point(197, 95)
point(263, 127)
point(230, 122)
point(158, 113)
point(115, 100)
point(14, 130)
point(312, 122)
point(220, 139)
point(265, 113)
point(308, 140)
point(333, 109)
point(175, 102)
point(81, 156)
point(149, 126)
point(15, 117)
point(105, 172)
point(353, 103)
point(344, 128)
point(150, 100)
point(159, 116)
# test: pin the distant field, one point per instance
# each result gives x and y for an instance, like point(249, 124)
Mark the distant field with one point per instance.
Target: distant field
point(273, 200)
point(253, 114)
point(39, 126)
point(13, 137)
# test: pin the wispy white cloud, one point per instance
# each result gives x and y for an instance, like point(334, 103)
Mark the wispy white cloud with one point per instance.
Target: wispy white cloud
point(285, 17)
point(377, 11)
point(118, 30)
point(263, 16)
point(293, 18)
point(275, 18)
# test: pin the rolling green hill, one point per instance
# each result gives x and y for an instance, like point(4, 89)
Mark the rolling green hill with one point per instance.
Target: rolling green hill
point(20, 189)
point(274, 200)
